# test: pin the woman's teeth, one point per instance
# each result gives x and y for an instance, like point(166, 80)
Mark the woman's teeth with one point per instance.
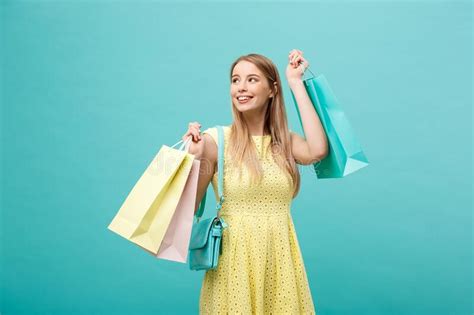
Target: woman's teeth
point(243, 99)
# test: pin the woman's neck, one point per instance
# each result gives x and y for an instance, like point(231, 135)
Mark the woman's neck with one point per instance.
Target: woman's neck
point(256, 122)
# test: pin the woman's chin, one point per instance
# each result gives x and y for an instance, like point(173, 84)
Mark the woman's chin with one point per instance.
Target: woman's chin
point(244, 107)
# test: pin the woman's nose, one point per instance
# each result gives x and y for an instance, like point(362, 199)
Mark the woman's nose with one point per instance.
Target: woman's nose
point(242, 87)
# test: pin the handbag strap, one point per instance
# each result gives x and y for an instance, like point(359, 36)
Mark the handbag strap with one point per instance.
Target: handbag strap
point(220, 175)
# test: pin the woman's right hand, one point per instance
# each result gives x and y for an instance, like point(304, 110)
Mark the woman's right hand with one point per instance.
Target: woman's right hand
point(194, 129)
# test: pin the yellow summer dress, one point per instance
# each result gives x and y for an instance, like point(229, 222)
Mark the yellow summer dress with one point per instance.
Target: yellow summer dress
point(261, 269)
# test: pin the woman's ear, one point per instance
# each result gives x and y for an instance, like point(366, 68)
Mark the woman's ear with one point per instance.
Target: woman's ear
point(275, 89)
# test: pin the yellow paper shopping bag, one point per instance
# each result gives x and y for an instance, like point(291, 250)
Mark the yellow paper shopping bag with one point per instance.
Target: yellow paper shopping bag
point(148, 209)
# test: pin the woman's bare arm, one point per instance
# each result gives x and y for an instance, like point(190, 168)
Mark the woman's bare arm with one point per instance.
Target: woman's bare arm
point(314, 146)
point(204, 150)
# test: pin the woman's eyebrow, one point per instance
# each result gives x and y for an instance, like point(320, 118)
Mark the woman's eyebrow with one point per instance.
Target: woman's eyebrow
point(248, 75)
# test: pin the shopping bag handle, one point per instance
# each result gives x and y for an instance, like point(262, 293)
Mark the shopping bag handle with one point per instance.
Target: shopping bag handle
point(186, 144)
point(304, 72)
point(220, 175)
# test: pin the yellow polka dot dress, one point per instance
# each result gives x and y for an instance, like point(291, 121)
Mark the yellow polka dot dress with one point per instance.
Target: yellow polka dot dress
point(261, 269)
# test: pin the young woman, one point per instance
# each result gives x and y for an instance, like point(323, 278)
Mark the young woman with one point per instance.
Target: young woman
point(261, 269)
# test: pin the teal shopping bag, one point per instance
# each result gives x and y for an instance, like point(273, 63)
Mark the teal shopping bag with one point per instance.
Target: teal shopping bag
point(345, 154)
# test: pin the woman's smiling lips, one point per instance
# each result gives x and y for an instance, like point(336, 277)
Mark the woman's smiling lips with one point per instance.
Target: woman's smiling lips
point(242, 99)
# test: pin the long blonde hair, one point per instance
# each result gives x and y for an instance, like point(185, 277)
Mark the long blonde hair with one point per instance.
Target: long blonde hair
point(241, 147)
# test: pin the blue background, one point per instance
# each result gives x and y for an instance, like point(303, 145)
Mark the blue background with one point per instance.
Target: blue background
point(91, 90)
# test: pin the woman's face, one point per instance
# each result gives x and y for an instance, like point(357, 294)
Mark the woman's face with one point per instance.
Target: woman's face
point(247, 80)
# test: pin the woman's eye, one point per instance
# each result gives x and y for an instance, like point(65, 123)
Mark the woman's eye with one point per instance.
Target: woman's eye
point(235, 80)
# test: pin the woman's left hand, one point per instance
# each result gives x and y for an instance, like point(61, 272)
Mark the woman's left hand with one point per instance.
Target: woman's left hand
point(296, 66)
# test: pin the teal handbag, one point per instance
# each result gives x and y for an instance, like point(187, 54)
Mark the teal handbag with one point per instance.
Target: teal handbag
point(345, 152)
point(205, 245)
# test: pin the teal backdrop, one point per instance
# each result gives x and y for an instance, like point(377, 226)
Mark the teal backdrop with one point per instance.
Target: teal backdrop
point(91, 90)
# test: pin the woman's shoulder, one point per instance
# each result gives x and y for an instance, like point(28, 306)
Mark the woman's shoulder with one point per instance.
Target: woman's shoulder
point(212, 131)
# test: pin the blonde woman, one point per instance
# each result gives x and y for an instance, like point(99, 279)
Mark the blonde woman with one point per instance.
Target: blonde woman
point(261, 269)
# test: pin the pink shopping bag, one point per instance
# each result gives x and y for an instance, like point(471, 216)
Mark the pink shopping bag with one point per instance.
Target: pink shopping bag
point(175, 244)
